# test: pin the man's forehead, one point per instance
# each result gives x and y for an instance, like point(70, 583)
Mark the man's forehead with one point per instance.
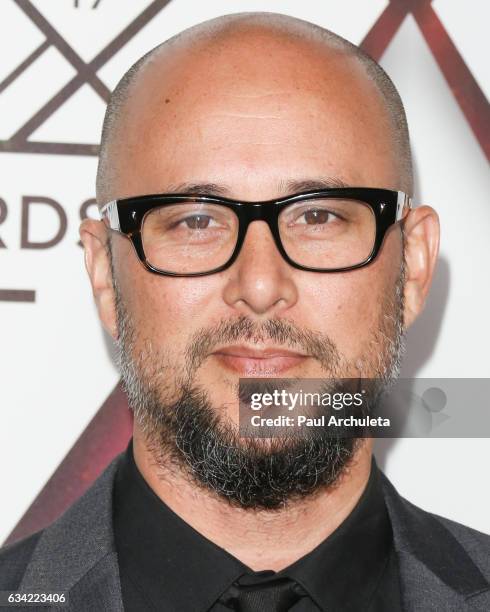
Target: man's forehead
point(208, 102)
point(289, 141)
point(283, 186)
point(273, 103)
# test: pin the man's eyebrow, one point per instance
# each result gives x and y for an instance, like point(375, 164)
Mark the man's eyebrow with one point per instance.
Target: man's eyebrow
point(295, 186)
point(198, 188)
point(285, 187)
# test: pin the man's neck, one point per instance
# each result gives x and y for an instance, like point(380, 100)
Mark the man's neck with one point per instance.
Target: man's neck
point(262, 540)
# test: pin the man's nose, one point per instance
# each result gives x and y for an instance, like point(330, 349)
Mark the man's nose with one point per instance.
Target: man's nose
point(261, 281)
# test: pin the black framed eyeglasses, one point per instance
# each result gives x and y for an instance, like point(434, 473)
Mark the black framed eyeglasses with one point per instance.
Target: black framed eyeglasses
point(328, 230)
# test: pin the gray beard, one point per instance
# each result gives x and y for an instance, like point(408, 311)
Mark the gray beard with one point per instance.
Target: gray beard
point(190, 435)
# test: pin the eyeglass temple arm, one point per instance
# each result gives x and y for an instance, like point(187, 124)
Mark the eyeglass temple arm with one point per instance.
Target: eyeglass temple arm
point(109, 212)
point(403, 205)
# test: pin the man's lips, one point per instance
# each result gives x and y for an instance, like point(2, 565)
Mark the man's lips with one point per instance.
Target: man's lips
point(256, 362)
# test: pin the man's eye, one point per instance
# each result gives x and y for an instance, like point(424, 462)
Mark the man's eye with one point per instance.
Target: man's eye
point(197, 221)
point(316, 216)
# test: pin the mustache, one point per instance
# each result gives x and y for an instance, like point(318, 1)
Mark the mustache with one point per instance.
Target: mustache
point(285, 333)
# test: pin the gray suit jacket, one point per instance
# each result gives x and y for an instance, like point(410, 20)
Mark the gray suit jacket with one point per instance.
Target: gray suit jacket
point(444, 566)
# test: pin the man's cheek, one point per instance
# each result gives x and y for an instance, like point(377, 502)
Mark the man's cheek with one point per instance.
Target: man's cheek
point(350, 313)
point(181, 299)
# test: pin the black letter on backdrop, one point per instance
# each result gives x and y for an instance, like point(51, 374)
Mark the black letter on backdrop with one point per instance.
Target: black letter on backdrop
point(25, 243)
point(3, 216)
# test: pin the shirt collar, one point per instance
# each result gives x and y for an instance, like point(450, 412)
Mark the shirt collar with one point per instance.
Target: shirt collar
point(164, 555)
point(344, 571)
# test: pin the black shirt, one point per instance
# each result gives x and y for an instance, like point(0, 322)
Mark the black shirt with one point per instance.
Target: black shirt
point(166, 565)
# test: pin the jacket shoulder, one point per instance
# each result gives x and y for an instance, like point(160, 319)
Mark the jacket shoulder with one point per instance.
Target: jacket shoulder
point(14, 560)
point(69, 548)
point(458, 555)
point(475, 543)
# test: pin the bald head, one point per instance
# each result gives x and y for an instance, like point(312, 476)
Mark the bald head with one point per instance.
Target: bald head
point(260, 63)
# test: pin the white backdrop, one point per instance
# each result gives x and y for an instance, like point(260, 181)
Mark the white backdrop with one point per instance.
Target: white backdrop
point(55, 363)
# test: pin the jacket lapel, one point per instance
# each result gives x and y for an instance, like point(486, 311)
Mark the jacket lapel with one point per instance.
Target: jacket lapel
point(77, 552)
point(436, 573)
point(99, 589)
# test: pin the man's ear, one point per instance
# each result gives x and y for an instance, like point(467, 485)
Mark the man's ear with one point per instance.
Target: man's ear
point(421, 231)
point(95, 240)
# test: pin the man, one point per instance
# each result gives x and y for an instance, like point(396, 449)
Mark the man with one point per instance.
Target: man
point(202, 279)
